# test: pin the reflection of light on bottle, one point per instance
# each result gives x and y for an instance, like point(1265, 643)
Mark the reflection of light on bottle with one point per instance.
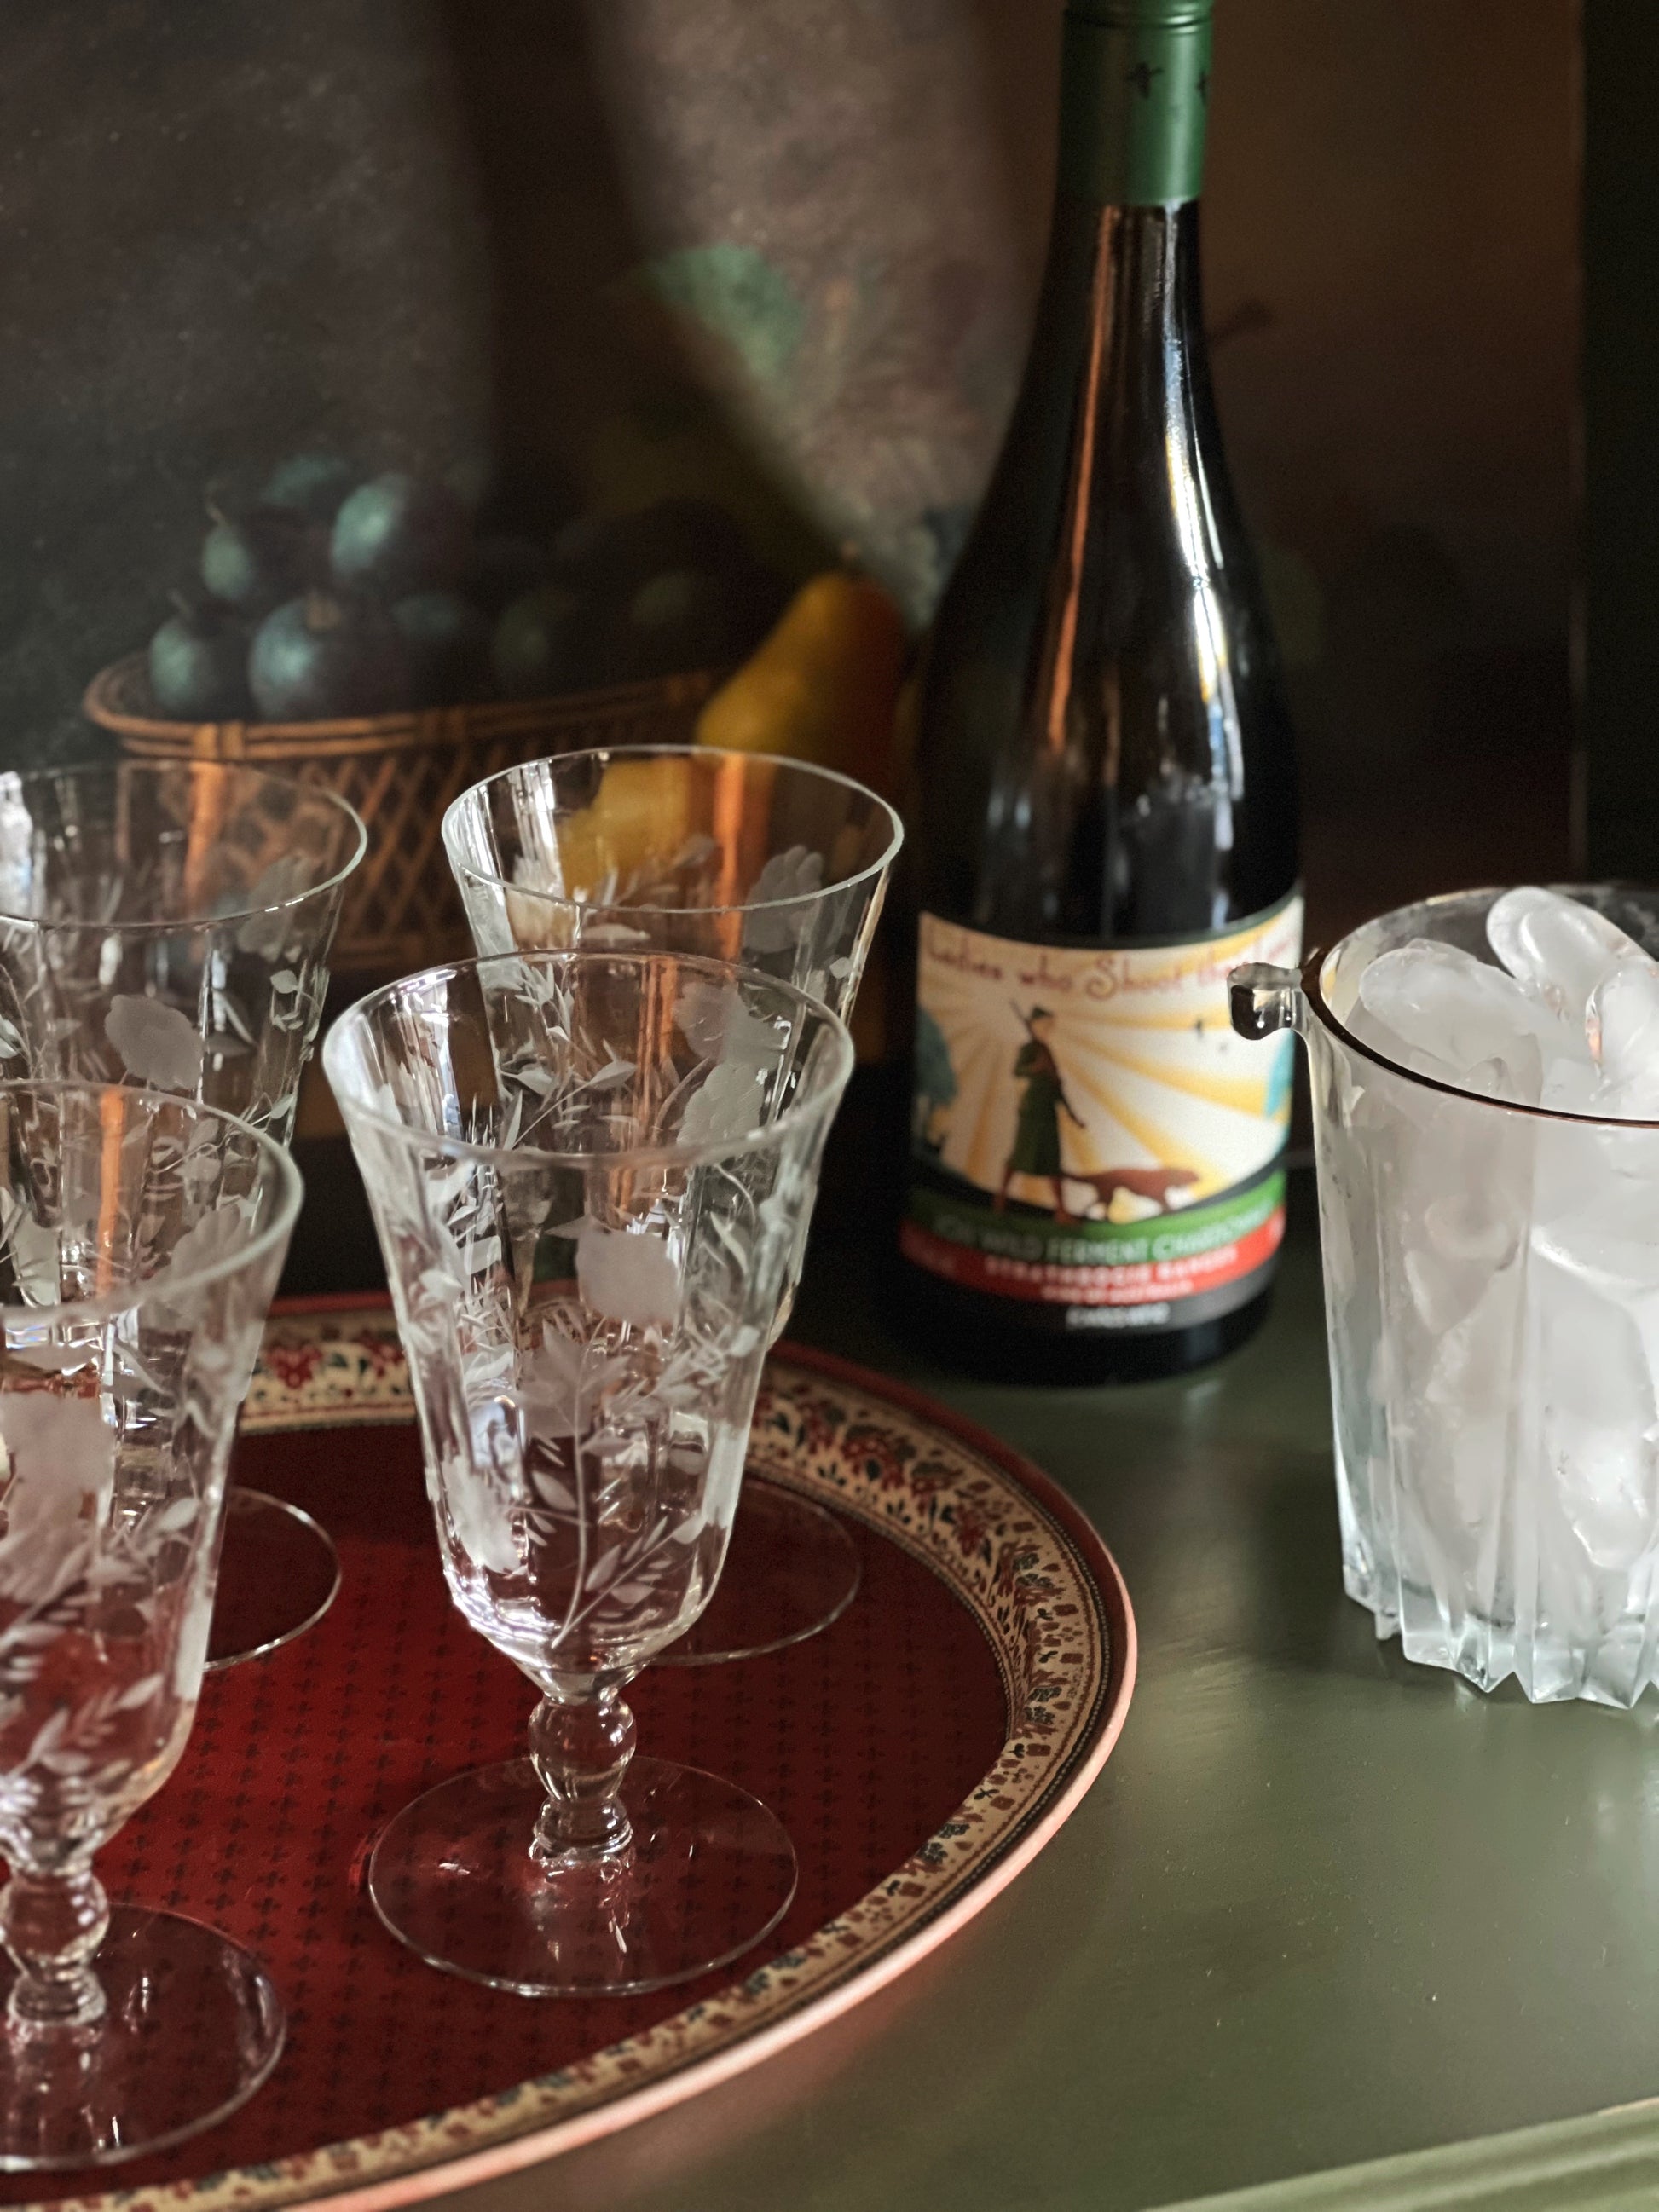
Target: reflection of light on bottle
point(1197, 535)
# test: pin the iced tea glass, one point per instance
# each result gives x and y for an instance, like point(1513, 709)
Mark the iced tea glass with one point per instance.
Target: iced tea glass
point(170, 925)
point(737, 856)
point(141, 1238)
point(590, 1172)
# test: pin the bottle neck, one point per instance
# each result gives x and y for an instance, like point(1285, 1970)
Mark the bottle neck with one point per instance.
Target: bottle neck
point(1133, 107)
point(1120, 320)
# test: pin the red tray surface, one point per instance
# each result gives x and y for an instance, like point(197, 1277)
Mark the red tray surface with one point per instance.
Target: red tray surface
point(865, 1739)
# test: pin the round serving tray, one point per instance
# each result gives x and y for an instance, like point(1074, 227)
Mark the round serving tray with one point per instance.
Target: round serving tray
point(922, 1751)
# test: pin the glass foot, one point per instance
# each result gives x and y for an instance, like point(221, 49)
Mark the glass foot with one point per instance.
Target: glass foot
point(791, 1569)
point(278, 1574)
point(708, 1873)
point(192, 2028)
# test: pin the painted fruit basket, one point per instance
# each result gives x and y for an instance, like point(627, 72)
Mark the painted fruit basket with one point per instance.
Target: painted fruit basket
point(400, 772)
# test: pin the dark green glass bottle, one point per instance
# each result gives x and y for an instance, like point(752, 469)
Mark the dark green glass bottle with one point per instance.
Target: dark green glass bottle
point(1107, 804)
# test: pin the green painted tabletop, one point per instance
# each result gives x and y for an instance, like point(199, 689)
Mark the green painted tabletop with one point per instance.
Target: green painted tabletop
point(1322, 1906)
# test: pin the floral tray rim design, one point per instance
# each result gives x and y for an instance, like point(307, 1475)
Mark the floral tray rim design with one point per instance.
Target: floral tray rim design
point(1012, 1548)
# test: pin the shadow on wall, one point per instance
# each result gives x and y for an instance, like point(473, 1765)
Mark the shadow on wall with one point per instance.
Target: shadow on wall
point(604, 361)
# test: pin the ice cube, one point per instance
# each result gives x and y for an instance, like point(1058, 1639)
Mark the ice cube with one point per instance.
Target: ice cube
point(1459, 1199)
point(1556, 949)
point(1596, 1202)
point(1443, 1013)
point(1518, 1074)
point(1455, 1244)
point(1459, 1422)
point(1623, 1027)
point(1608, 1235)
point(1571, 1085)
point(1464, 1224)
point(1600, 1421)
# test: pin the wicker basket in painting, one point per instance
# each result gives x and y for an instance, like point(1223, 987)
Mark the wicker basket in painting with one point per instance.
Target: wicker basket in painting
point(400, 772)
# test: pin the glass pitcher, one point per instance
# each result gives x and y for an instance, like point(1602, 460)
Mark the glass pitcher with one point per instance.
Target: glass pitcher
point(1492, 1296)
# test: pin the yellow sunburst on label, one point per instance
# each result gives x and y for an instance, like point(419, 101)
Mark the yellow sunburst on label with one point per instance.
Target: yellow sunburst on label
point(1105, 1084)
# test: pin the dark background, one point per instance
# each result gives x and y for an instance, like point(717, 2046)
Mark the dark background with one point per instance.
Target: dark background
point(786, 255)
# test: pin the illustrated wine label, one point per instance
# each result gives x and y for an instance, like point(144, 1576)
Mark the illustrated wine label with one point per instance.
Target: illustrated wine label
point(1088, 1135)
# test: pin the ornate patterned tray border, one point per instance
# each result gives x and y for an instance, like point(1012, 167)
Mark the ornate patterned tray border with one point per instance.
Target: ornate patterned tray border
point(1017, 1553)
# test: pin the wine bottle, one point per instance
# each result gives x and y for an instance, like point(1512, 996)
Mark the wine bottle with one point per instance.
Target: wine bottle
point(1106, 802)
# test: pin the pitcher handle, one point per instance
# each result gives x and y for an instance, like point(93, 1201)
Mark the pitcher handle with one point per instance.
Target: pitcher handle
point(1263, 999)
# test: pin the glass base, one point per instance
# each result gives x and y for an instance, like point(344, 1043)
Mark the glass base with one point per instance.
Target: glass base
point(190, 2029)
point(709, 1872)
point(791, 1569)
point(278, 1575)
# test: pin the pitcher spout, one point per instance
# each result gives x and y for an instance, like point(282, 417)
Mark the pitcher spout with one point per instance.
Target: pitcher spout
point(1262, 999)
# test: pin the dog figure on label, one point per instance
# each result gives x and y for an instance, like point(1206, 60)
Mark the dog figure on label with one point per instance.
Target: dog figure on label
point(1155, 1184)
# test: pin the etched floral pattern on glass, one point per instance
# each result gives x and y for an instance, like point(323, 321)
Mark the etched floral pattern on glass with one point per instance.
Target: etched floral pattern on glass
point(141, 1239)
point(170, 927)
point(736, 856)
point(776, 863)
point(589, 1173)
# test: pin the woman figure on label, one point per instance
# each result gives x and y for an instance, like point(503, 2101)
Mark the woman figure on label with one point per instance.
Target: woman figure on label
point(1036, 1134)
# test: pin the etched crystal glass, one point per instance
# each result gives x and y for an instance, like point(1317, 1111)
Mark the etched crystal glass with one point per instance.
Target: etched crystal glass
point(1491, 1280)
point(170, 925)
point(589, 1171)
point(737, 856)
point(141, 1238)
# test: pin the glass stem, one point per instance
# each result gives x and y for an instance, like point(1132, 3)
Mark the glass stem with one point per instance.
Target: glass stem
point(51, 1923)
point(581, 1745)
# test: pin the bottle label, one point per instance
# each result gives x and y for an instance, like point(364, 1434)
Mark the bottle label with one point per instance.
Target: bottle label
point(1088, 1135)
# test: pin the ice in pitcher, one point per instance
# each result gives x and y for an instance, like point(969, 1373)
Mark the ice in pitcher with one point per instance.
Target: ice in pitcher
point(1501, 1490)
